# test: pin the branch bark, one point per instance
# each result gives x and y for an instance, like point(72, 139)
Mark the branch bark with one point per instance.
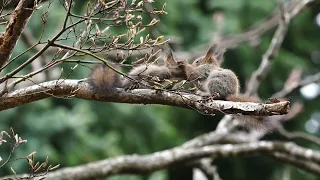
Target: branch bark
point(81, 89)
point(5, 4)
point(17, 23)
point(137, 164)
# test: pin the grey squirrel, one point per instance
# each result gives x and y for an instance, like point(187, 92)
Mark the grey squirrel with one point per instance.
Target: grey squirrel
point(102, 77)
point(213, 81)
point(205, 72)
point(207, 75)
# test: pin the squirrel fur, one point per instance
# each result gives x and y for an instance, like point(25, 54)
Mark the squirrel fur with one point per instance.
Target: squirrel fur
point(102, 77)
point(266, 124)
point(204, 72)
point(207, 75)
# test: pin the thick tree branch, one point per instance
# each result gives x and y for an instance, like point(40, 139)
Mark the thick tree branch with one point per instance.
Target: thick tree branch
point(18, 21)
point(82, 90)
point(137, 164)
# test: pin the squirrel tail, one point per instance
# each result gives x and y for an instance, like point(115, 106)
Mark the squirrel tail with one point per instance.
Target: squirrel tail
point(260, 123)
point(102, 78)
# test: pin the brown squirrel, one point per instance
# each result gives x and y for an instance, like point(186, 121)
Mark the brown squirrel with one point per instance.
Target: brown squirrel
point(102, 77)
point(205, 72)
point(207, 75)
point(212, 80)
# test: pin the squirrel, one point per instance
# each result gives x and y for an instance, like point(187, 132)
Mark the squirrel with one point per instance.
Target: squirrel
point(207, 75)
point(204, 72)
point(223, 84)
point(102, 77)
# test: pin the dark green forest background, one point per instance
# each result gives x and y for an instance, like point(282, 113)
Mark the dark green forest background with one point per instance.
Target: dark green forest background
point(73, 131)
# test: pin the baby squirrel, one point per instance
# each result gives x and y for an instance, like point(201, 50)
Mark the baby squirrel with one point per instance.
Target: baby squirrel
point(207, 75)
point(212, 80)
point(102, 77)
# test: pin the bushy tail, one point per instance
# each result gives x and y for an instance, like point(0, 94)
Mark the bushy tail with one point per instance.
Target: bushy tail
point(260, 123)
point(222, 81)
point(102, 78)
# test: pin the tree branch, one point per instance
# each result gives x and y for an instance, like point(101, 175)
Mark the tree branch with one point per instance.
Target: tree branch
point(81, 89)
point(137, 164)
point(18, 21)
point(275, 45)
point(229, 41)
point(295, 86)
point(301, 163)
point(298, 136)
point(209, 171)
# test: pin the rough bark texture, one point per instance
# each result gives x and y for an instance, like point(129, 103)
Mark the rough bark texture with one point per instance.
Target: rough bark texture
point(137, 164)
point(14, 29)
point(81, 89)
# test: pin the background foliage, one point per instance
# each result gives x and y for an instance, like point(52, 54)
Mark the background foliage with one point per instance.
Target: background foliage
point(73, 132)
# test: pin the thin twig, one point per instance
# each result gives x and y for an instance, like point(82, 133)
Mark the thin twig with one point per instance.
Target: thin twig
point(290, 89)
point(298, 136)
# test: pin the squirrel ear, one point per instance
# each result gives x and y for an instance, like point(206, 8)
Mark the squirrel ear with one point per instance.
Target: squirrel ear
point(220, 54)
point(214, 55)
point(169, 58)
point(208, 58)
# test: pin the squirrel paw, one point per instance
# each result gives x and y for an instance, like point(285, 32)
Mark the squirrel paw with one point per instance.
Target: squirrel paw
point(135, 85)
point(170, 84)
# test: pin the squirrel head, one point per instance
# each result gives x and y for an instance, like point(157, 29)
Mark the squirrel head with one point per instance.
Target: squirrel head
point(176, 67)
point(213, 56)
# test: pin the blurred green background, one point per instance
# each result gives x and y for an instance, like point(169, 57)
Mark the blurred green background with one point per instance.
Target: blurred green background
point(73, 131)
